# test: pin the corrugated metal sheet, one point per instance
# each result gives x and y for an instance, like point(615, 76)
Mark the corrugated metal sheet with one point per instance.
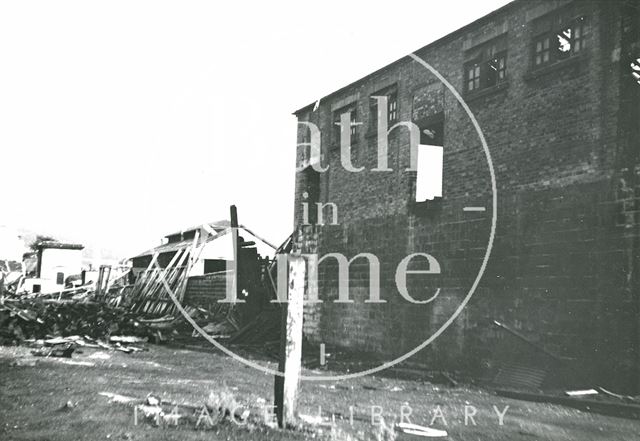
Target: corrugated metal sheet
point(517, 376)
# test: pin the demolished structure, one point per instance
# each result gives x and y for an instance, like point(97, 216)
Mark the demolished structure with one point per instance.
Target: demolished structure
point(189, 277)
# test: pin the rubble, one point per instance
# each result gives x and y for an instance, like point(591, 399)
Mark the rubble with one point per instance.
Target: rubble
point(84, 322)
point(62, 350)
point(42, 318)
point(125, 312)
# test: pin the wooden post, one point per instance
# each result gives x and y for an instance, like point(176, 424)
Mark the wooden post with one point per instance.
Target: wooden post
point(98, 289)
point(286, 388)
point(105, 288)
point(234, 239)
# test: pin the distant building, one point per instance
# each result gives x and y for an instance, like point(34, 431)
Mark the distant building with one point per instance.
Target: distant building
point(55, 262)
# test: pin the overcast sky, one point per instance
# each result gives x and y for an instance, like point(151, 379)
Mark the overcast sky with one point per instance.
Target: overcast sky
point(121, 121)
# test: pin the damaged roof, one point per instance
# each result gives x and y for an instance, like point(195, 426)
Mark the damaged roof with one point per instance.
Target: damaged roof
point(216, 225)
point(184, 243)
point(59, 245)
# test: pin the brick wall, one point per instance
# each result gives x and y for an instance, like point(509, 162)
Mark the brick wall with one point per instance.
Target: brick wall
point(205, 291)
point(563, 139)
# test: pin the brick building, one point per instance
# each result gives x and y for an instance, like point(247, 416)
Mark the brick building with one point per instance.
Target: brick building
point(551, 87)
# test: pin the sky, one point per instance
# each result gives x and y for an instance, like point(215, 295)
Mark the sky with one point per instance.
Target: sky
point(123, 121)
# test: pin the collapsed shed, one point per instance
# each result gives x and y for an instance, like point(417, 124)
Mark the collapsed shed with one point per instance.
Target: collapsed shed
point(200, 266)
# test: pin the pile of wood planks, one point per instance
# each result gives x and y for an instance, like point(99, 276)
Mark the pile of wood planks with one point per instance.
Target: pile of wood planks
point(149, 296)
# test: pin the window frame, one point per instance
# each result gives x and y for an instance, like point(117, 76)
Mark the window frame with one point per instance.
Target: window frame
point(479, 68)
point(393, 109)
point(353, 108)
point(305, 140)
point(557, 24)
point(436, 123)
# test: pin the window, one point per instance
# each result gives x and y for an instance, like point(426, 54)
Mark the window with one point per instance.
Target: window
point(486, 65)
point(474, 77)
point(310, 195)
point(214, 265)
point(304, 144)
point(392, 103)
point(499, 65)
point(392, 109)
point(60, 278)
point(353, 129)
point(542, 51)
point(428, 184)
point(558, 37)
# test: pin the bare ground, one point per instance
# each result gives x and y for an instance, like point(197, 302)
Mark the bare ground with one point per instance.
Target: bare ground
point(33, 397)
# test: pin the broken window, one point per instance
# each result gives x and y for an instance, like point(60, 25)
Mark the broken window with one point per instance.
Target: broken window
point(392, 109)
point(430, 159)
point(486, 64)
point(559, 36)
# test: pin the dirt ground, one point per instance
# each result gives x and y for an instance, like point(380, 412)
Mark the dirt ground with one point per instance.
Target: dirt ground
point(34, 392)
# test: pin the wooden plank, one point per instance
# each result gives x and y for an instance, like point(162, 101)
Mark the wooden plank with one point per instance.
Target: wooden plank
point(194, 255)
point(141, 280)
point(152, 283)
point(151, 289)
point(286, 388)
point(263, 240)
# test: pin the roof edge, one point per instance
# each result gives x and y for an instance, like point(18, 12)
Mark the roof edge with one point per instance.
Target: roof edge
point(59, 245)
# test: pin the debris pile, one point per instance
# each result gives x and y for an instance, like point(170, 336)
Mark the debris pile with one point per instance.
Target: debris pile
point(66, 346)
point(151, 303)
point(10, 276)
point(38, 318)
point(149, 293)
point(264, 329)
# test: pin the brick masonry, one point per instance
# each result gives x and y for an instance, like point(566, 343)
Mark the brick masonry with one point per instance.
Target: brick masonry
point(564, 140)
point(205, 291)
